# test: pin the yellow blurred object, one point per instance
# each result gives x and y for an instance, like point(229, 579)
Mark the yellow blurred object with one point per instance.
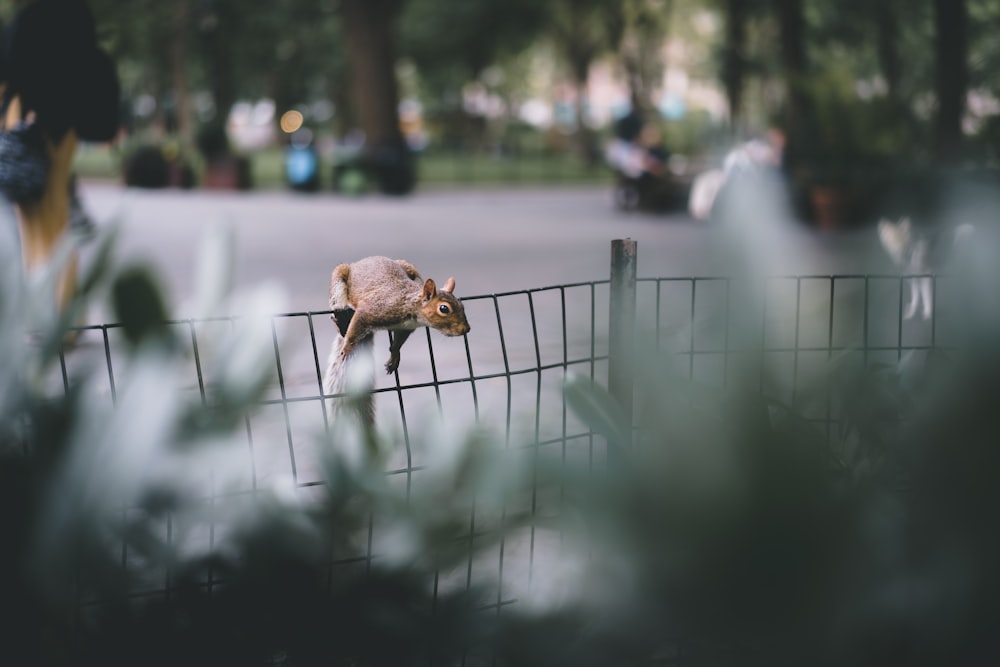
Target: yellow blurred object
point(291, 121)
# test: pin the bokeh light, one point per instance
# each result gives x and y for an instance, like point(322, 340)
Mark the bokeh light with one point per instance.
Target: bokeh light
point(291, 120)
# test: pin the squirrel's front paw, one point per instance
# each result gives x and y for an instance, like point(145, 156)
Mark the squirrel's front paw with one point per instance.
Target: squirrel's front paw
point(392, 364)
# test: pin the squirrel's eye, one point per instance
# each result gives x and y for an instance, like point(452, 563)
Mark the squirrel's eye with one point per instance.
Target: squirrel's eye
point(444, 309)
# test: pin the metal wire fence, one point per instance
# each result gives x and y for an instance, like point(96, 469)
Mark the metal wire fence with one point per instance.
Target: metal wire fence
point(508, 374)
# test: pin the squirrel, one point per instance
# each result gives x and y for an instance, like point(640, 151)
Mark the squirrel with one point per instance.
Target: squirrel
point(381, 293)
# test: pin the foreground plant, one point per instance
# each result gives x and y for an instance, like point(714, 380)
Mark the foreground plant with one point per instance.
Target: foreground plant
point(105, 499)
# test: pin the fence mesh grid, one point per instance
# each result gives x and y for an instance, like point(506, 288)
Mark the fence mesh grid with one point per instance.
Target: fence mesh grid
point(508, 374)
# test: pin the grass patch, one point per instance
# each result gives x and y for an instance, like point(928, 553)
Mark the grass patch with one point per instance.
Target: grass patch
point(435, 169)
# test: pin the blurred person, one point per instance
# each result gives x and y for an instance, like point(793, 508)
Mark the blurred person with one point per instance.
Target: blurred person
point(642, 167)
point(623, 152)
point(59, 88)
point(655, 152)
point(628, 127)
point(748, 199)
point(654, 157)
point(761, 157)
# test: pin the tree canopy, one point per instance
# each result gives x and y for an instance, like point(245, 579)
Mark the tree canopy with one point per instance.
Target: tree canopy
point(922, 59)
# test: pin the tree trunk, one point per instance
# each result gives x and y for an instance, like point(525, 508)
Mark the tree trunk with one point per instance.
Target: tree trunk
point(791, 19)
point(734, 58)
point(178, 73)
point(586, 141)
point(215, 26)
point(793, 51)
point(888, 47)
point(369, 26)
point(952, 77)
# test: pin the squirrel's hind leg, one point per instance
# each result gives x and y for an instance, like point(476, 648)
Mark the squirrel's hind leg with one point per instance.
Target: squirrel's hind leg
point(343, 313)
point(338, 287)
point(411, 271)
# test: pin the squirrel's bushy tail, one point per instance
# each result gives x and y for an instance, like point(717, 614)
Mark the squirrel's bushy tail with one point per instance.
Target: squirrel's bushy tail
point(351, 379)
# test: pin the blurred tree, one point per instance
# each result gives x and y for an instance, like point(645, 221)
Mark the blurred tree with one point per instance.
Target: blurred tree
point(370, 32)
point(296, 50)
point(582, 31)
point(218, 23)
point(792, 24)
point(879, 35)
point(984, 49)
point(639, 29)
point(734, 61)
point(887, 18)
point(952, 76)
point(747, 30)
point(178, 69)
point(873, 41)
point(452, 43)
point(289, 50)
point(292, 51)
point(145, 52)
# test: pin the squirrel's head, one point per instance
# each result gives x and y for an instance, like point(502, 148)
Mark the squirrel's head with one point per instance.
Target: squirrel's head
point(441, 310)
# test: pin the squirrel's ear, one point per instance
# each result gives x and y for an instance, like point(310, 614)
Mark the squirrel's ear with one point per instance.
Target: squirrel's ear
point(430, 289)
point(449, 286)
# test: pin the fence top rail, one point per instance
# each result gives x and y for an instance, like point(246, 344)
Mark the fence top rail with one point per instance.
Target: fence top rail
point(536, 290)
point(804, 276)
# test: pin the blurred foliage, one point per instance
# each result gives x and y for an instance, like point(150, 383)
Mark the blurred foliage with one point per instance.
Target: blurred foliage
point(290, 51)
point(738, 530)
point(851, 31)
point(194, 57)
point(85, 480)
point(452, 43)
point(693, 134)
point(845, 137)
point(729, 527)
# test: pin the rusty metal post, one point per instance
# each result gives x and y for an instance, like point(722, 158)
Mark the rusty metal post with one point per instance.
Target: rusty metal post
point(621, 330)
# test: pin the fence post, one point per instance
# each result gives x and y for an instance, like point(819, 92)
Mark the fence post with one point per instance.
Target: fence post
point(621, 329)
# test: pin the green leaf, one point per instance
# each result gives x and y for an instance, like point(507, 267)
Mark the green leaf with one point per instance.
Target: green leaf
point(598, 409)
point(139, 306)
point(100, 266)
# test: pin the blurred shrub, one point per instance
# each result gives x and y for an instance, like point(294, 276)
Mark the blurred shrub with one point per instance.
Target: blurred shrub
point(83, 479)
point(739, 532)
point(843, 129)
point(692, 135)
point(212, 141)
point(156, 166)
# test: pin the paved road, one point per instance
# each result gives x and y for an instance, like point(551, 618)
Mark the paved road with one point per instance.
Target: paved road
point(491, 241)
